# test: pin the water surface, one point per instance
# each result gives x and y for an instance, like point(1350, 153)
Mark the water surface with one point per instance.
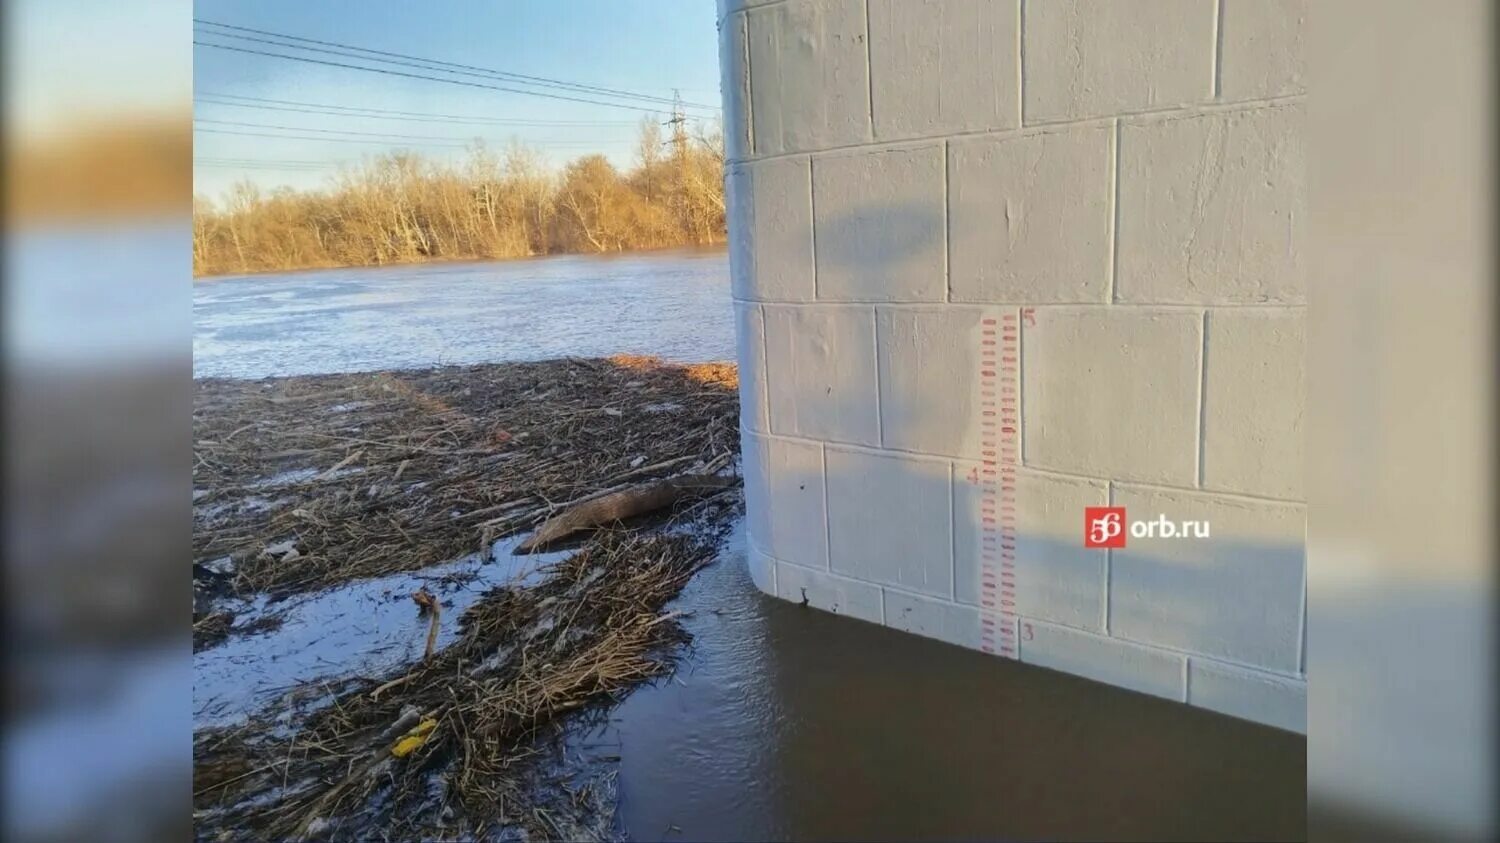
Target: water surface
point(789, 723)
point(672, 303)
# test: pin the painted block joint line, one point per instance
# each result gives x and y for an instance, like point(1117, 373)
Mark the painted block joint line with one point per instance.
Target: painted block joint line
point(999, 448)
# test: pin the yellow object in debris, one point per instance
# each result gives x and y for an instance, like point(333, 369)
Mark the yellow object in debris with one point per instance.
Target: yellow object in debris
point(413, 739)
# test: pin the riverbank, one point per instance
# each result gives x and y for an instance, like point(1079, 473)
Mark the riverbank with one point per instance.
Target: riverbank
point(708, 247)
point(376, 651)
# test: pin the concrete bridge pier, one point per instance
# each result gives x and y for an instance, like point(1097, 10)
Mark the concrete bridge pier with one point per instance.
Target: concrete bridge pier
point(998, 263)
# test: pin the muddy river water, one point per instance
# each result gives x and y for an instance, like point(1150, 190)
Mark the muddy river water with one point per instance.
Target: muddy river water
point(782, 722)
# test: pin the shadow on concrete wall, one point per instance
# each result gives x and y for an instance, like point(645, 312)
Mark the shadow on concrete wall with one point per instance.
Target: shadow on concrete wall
point(885, 247)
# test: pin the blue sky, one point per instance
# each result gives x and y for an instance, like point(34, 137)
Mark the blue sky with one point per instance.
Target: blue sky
point(643, 46)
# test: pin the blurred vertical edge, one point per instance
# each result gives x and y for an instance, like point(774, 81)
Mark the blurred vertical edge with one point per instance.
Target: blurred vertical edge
point(1402, 374)
point(97, 420)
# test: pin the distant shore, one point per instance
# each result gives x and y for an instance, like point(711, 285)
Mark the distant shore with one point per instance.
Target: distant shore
point(714, 246)
point(405, 207)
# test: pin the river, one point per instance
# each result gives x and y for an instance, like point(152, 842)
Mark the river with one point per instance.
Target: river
point(783, 722)
point(674, 304)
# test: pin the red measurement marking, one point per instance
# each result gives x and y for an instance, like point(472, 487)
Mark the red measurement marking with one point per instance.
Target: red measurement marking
point(997, 487)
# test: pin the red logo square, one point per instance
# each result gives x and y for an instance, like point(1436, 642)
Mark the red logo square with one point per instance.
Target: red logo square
point(1104, 526)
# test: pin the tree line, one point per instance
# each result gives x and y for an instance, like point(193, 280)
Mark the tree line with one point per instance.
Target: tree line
point(402, 207)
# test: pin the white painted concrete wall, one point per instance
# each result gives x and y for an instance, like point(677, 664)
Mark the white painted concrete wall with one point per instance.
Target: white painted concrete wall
point(1129, 172)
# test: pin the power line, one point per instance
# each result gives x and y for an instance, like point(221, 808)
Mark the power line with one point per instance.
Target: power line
point(393, 138)
point(387, 141)
point(428, 65)
point(420, 66)
point(330, 140)
point(569, 142)
point(541, 81)
point(419, 76)
point(266, 162)
point(278, 163)
point(232, 158)
point(429, 119)
point(322, 131)
point(388, 114)
point(343, 50)
point(287, 168)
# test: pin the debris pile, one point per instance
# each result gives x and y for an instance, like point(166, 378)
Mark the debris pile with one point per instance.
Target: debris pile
point(446, 749)
point(308, 482)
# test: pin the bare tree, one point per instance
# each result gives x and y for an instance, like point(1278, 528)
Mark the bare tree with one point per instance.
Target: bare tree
point(404, 207)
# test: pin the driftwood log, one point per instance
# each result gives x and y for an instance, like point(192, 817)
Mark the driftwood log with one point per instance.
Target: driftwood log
point(622, 505)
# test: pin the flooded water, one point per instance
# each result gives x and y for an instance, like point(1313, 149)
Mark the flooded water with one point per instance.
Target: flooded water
point(366, 628)
point(674, 304)
point(785, 722)
point(782, 722)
